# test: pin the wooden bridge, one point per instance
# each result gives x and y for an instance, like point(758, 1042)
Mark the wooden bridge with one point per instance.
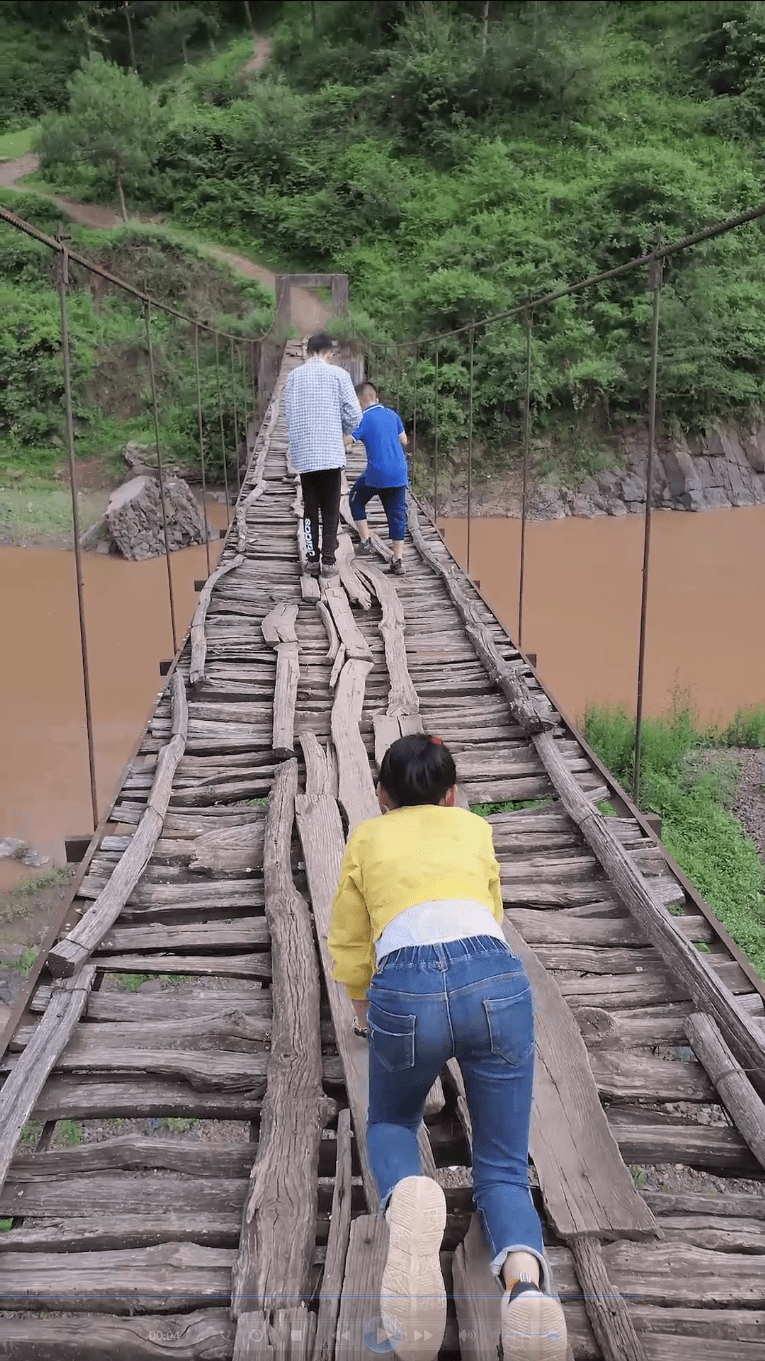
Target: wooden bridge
point(220, 1203)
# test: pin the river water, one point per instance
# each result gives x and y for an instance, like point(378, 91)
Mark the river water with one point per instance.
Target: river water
point(706, 631)
point(706, 605)
point(44, 784)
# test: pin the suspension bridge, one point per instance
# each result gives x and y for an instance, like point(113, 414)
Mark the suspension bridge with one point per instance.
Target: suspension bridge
point(228, 1210)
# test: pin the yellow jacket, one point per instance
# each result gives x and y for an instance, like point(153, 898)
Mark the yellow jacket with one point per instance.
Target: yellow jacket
point(409, 856)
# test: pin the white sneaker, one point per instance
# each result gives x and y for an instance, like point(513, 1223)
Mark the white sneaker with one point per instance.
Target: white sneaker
point(533, 1325)
point(412, 1295)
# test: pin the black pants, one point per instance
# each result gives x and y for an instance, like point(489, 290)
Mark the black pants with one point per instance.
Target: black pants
point(321, 496)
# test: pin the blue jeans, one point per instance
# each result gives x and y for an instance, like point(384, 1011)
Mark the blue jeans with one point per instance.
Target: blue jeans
point(470, 1000)
point(394, 505)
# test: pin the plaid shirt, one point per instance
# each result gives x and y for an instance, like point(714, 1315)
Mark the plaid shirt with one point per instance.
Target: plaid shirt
point(321, 406)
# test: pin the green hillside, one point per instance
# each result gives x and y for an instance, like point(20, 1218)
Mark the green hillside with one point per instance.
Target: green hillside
point(455, 168)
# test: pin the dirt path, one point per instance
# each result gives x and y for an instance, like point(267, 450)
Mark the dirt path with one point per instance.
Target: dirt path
point(308, 312)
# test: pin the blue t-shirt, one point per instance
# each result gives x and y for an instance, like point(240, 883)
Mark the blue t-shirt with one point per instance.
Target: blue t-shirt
point(386, 461)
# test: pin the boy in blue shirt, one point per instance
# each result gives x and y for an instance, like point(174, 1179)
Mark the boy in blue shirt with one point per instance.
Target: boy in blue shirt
point(382, 433)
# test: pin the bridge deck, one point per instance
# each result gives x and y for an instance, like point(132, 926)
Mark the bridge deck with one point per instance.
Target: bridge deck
point(238, 1050)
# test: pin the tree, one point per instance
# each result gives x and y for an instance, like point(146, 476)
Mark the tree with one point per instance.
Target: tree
point(111, 124)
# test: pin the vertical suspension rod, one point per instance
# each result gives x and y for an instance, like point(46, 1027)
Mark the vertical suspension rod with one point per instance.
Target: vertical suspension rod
point(63, 282)
point(201, 445)
point(435, 438)
point(470, 451)
point(526, 429)
point(236, 420)
point(222, 432)
point(160, 470)
point(655, 285)
point(414, 410)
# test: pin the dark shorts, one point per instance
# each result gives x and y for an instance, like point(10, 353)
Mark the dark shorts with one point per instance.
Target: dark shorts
point(394, 505)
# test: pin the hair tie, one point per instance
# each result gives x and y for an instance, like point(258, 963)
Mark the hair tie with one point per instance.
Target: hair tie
point(438, 741)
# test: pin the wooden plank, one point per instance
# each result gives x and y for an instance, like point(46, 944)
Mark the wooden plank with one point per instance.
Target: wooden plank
point(329, 624)
point(559, 928)
point(202, 1069)
point(675, 1348)
point(221, 966)
point(278, 1225)
point(337, 1245)
point(403, 698)
point(673, 1274)
point(120, 1193)
point(387, 731)
point(699, 1203)
point(189, 1001)
point(351, 637)
point(625, 1076)
point(742, 1325)
point(716, 1148)
point(206, 1335)
point(321, 836)
point(586, 1187)
point(738, 1095)
point(279, 631)
point(360, 1302)
point(69, 1098)
point(244, 933)
point(23, 1086)
point(612, 1326)
point(691, 967)
point(71, 951)
point(137, 1152)
point(198, 637)
point(224, 1029)
point(171, 1276)
point(356, 791)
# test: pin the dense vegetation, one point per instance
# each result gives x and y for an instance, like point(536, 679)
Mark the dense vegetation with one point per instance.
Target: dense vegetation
point(110, 378)
point(454, 167)
point(691, 784)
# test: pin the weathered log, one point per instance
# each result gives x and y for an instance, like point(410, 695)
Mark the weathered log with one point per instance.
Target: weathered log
point(198, 634)
point(524, 709)
point(207, 1335)
point(336, 600)
point(357, 791)
point(276, 1247)
point(613, 1328)
point(70, 952)
point(172, 1276)
point(232, 851)
point(337, 1245)
point(690, 966)
point(403, 698)
point(737, 1094)
point(22, 1088)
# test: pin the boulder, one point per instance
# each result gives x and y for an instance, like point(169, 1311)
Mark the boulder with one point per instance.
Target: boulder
point(616, 507)
point(754, 448)
point(545, 503)
point(682, 476)
point(583, 507)
point(632, 487)
point(608, 483)
point(134, 517)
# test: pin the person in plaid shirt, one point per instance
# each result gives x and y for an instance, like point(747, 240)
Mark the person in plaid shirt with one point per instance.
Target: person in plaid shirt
point(322, 410)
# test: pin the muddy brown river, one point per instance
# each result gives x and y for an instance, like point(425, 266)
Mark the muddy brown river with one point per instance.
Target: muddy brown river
point(706, 631)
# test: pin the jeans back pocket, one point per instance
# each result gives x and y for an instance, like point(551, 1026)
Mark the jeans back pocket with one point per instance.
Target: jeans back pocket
point(511, 1027)
point(391, 1038)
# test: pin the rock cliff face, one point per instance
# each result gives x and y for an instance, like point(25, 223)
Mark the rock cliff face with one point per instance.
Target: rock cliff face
point(725, 468)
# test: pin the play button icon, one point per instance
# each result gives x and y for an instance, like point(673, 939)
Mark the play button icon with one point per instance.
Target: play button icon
point(377, 1339)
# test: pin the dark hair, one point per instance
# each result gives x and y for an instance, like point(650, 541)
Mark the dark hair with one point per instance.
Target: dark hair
point(363, 388)
point(417, 769)
point(320, 343)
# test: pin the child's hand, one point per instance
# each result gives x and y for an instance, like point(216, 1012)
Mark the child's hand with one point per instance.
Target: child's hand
point(348, 441)
point(360, 1012)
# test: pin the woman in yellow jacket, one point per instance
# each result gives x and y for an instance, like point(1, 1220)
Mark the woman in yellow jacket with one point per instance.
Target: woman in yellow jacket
point(416, 937)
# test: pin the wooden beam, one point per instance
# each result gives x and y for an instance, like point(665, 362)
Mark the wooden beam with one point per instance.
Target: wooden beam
point(70, 952)
point(357, 791)
point(403, 698)
point(278, 1226)
point(199, 1336)
point(279, 632)
point(736, 1092)
point(23, 1086)
point(337, 1245)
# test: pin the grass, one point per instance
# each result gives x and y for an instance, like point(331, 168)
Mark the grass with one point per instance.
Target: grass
point(19, 900)
point(254, 803)
point(25, 961)
point(5, 1225)
point(15, 144)
point(180, 1123)
point(691, 784)
point(30, 1133)
point(131, 982)
point(487, 810)
point(44, 513)
point(69, 1132)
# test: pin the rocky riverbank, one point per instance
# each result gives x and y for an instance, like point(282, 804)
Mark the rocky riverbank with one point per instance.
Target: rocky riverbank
point(723, 468)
